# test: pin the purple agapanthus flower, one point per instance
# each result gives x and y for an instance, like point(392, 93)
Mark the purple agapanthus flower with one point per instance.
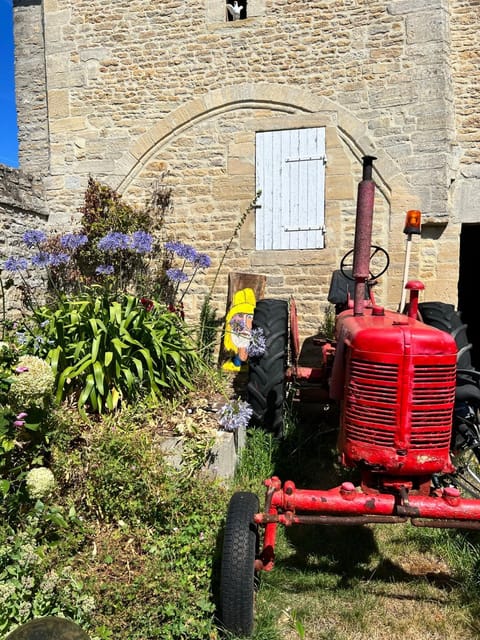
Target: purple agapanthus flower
point(257, 343)
point(176, 275)
point(41, 259)
point(114, 241)
point(202, 260)
point(73, 241)
point(235, 415)
point(185, 251)
point(57, 259)
point(15, 264)
point(174, 247)
point(33, 237)
point(142, 242)
point(104, 270)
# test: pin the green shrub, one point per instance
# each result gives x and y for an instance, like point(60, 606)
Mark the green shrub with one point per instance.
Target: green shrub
point(30, 587)
point(26, 391)
point(109, 348)
point(150, 555)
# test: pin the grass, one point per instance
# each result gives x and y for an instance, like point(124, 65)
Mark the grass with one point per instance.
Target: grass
point(375, 582)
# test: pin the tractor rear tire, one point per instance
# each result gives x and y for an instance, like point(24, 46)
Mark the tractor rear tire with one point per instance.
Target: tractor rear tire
point(465, 457)
point(237, 578)
point(266, 383)
point(443, 316)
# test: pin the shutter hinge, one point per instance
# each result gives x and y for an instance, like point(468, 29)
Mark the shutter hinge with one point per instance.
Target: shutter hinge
point(308, 159)
point(292, 229)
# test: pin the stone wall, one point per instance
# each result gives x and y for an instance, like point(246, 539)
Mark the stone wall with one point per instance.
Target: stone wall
point(30, 84)
point(22, 207)
point(134, 90)
point(114, 71)
point(465, 36)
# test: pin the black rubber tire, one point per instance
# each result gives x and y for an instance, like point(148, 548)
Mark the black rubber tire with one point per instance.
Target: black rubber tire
point(443, 316)
point(237, 578)
point(464, 456)
point(266, 379)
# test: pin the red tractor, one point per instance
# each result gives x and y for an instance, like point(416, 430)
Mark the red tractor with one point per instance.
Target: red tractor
point(409, 403)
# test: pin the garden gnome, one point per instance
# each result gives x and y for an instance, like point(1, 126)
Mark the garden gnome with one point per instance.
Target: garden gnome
point(239, 327)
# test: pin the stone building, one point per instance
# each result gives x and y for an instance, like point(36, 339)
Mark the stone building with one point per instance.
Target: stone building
point(286, 99)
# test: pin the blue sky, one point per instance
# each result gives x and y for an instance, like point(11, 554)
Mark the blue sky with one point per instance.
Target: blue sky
point(8, 118)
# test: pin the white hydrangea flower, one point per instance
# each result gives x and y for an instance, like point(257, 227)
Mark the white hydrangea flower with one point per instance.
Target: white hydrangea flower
point(33, 385)
point(40, 482)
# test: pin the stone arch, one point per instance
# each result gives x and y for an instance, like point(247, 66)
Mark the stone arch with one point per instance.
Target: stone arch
point(277, 97)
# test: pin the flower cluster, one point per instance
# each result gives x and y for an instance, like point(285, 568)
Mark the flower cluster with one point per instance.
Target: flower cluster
point(19, 421)
point(13, 264)
point(176, 275)
point(235, 415)
point(147, 304)
point(73, 241)
point(33, 385)
point(190, 256)
point(34, 238)
point(40, 483)
point(258, 344)
point(114, 241)
point(139, 242)
point(105, 269)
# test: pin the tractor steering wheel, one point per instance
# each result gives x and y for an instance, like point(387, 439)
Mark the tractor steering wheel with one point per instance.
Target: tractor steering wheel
point(379, 261)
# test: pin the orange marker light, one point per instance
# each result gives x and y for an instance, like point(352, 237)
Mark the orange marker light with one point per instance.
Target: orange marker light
point(413, 222)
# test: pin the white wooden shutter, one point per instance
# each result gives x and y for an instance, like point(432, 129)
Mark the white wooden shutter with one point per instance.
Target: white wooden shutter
point(290, 173)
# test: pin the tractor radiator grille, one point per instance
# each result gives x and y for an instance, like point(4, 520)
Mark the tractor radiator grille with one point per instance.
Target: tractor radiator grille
point(433, 394)
point(372, 404)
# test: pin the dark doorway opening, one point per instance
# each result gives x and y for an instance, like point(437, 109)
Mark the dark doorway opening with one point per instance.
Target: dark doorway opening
point(468, 287)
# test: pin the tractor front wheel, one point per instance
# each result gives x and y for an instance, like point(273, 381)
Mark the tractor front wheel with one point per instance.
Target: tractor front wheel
point(237, 578)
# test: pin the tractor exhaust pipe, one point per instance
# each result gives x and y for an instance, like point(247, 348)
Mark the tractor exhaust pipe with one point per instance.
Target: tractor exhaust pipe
point(363, 234)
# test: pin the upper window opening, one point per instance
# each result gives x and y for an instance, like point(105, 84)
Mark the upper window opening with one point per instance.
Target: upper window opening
point(236, 11)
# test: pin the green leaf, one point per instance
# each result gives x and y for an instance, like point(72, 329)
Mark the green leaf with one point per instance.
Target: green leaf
point(32, 426)
point(118, 345)
point(112, 399)
point(89, 384)
point(99, 377)
point(115, 313)
point(95, 347)
point(4, 487)
point(53, 358)
point(139, 367)
point(129, 378)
